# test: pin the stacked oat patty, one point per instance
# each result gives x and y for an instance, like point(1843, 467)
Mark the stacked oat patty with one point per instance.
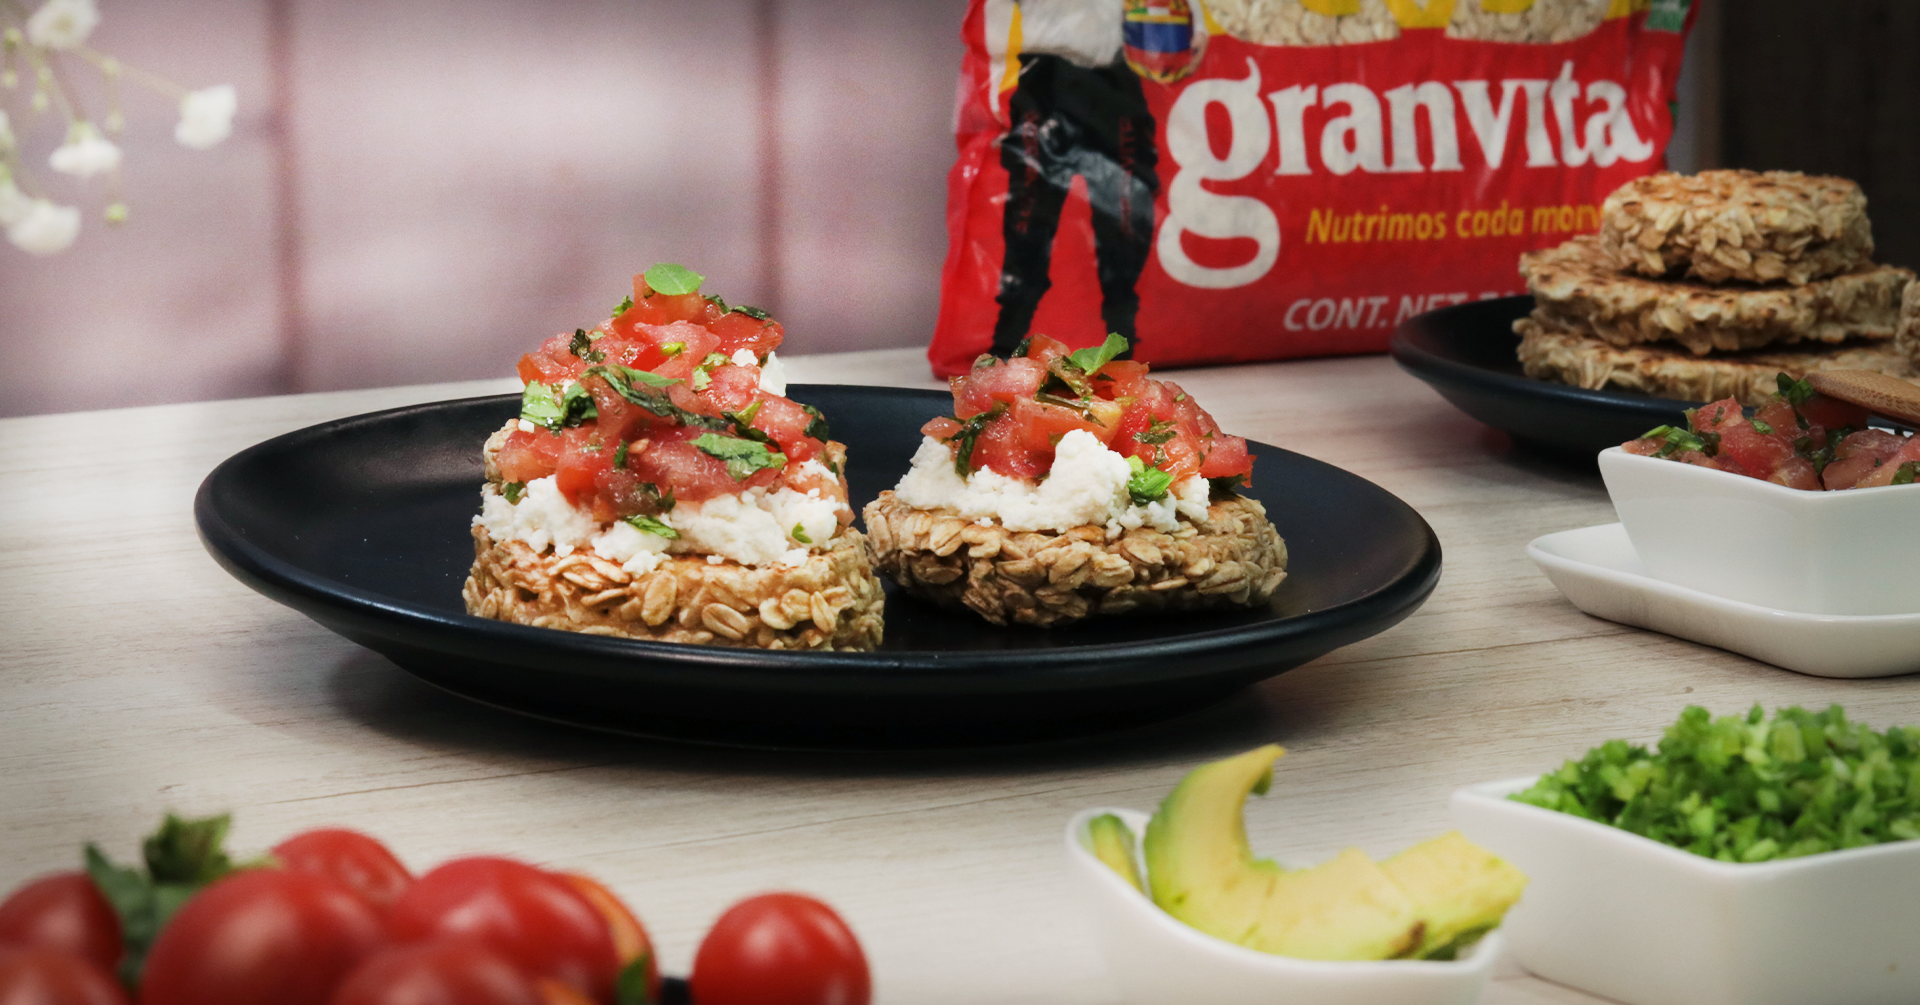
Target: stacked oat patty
point(1701, 287)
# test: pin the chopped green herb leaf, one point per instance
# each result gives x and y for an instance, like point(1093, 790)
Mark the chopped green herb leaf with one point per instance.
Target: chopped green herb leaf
point(743, 425)
point(1229, 485)
point(581, 343)
point(1674, 440)
point(1796, 392)
point(620, 456)
point(753, 312)
point(672, 349)
point(674, 280)
point(969, 434)
point(817, 428)
point(701, 379)
point(800, 534)
point(984, 360)
point(661, 501)
point(743, 457)
point(513, 491)
point(1762, 428)
point(1019, 349)
point(626, 304)
point(577, 406)
point(714, 299)
point(641, 388)
point(651, 525)
point(1904, 475)
point(1147, 484)
point(1182, 396)
point(1092, 359)
point(1158, 431)
point(540, 406)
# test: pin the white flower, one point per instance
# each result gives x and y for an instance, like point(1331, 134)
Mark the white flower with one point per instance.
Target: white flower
point(206, 116)
point(62, 24)
point(14, 204)
point(86, 153)
point(46, 229)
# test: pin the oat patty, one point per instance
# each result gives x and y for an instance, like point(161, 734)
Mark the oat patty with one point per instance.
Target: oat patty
point(1721, 226)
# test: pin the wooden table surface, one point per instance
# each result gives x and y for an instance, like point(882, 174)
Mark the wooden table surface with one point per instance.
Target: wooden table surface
point(138, 678)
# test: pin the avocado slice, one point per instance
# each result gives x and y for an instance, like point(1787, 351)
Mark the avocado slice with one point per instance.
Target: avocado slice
point(1201, 871)
point(1461, 889)
point(1110, 840)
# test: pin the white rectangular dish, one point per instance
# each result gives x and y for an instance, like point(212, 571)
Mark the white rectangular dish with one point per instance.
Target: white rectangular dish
point(1629, 918)
point(1597, 569)
point(1851, 552)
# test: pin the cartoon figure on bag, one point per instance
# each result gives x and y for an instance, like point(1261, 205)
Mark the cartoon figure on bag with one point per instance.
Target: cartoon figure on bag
point(1078, 109)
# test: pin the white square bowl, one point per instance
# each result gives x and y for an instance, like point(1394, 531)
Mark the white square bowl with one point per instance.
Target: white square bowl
point(1157, 959)
point(1855, 551)
point(1629, 918)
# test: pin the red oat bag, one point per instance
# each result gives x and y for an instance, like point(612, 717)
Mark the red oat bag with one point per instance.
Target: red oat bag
point(1259, 179)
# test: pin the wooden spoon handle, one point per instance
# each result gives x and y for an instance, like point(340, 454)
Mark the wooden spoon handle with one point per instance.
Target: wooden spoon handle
point(1876, 392)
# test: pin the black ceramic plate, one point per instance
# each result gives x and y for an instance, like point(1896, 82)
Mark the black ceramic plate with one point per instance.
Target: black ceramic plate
point(361, 524)
point(1467, 354)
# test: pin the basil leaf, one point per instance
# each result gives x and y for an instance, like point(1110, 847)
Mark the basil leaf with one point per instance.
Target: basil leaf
point(1158, 431)
point(1091, 360)
point(638, 387)
point(1674, 440)
point(1229, 485)
point(513, 491)
point(1762, 428)
point(800, 533)
point(576, 406)
point(651, 525)
point(582, 346)
point(540, 406)
point(1019, 349)
point(743, 425)
point(1906, 473)
point(625, 305)
point(743, 457)
point(714, 299)
point(753, 312)
point(664, 502)
point(620, 456)
point(818, 427)
point(969, 434)
point(1147, 484)
point(674, 280)
point(1796, 392)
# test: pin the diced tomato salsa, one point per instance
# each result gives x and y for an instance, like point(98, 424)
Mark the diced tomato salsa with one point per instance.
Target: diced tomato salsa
point(1009, 414)
point(669, 409)
point(1801, 439)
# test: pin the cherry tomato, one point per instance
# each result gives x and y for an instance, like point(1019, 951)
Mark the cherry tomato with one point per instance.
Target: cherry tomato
point(37, 975)
point(362, 864)
point(780, 949)
point(536, 919)
point(261, 937)
point(630, 939)
point(453, 971)
point(64, 911)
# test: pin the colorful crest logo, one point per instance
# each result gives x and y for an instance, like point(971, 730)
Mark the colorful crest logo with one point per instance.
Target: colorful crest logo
point(1162, 41)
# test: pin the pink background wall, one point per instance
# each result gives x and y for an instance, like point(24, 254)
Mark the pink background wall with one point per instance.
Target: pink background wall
point(420, 191)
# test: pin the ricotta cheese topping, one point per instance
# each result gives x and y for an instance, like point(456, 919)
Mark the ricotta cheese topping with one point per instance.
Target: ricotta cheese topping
point(1086, 485)
point(756, 527)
